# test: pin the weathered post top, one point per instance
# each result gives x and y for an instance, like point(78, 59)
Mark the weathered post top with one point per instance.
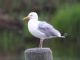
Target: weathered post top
point(38, 54)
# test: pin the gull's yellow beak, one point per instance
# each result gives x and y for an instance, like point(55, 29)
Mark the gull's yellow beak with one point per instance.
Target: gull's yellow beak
point(25, 18)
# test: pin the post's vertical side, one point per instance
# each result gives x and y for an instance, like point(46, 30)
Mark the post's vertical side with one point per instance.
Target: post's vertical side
point(38, 54)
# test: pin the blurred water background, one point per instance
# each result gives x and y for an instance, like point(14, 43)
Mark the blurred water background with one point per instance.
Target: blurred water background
point(15, 37)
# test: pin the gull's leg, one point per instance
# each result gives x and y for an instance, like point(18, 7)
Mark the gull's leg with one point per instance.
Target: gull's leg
point(41, 43)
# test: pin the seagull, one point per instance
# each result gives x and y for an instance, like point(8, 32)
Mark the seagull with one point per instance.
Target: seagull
point(41, 29)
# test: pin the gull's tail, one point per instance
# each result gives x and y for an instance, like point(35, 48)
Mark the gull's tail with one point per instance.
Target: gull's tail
point(64, 36)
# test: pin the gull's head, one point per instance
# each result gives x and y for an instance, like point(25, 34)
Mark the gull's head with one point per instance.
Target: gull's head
point(32, 15)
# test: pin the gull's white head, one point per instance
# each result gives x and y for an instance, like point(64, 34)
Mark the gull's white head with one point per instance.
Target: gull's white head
point(32, 15)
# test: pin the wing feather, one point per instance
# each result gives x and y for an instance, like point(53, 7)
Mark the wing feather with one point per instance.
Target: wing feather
point(48, 29)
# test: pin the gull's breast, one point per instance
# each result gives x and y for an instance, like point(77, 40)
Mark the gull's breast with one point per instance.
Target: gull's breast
point(33, 29)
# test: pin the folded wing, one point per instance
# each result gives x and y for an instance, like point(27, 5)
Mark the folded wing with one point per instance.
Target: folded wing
point(48, 29)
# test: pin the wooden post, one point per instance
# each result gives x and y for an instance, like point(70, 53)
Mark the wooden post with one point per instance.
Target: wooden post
point(38, 54)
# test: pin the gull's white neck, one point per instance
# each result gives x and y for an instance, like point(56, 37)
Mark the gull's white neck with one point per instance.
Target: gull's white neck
point(33, 24)
point(33, 21)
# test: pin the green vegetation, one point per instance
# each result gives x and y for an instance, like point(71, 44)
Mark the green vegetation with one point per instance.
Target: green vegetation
point(67, 20)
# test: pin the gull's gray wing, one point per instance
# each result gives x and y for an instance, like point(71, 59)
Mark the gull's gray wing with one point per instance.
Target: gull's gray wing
point(48, 29)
